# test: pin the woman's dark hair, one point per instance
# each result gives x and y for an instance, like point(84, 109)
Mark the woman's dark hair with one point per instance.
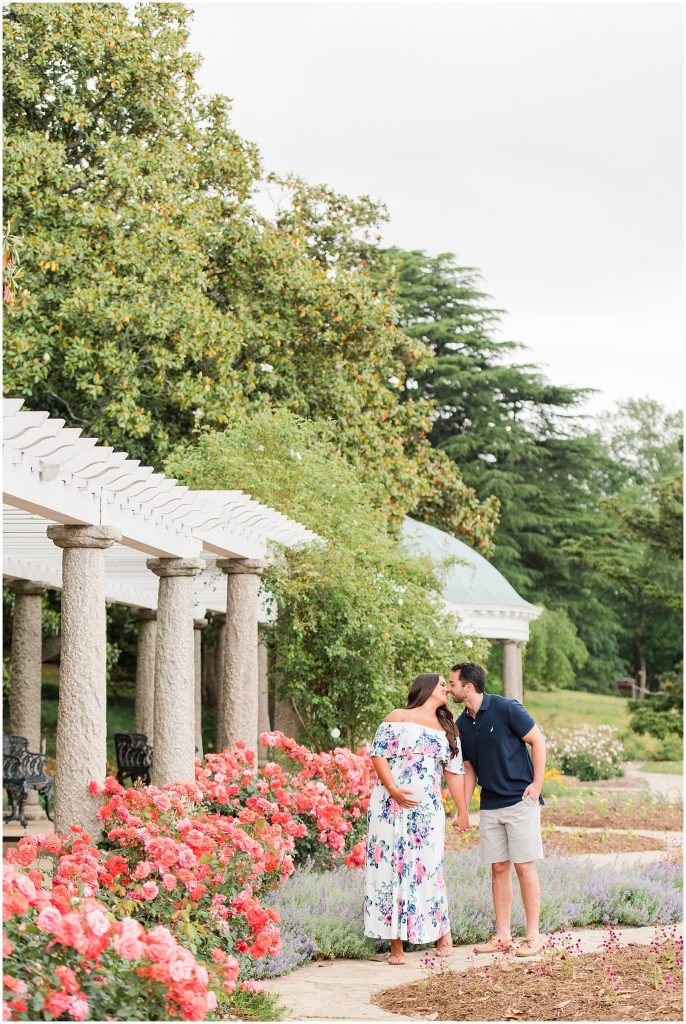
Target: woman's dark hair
point(472, 673)
point(421, 689)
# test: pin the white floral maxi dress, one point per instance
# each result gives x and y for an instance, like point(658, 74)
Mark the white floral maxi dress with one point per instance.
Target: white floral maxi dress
point(405, 894)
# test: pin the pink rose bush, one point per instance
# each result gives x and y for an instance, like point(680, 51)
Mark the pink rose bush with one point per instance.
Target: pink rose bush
point(157, 917)
point(67, 957)
point(346, 778)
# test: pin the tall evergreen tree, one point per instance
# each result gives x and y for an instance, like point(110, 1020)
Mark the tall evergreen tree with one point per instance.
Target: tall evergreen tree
point(514, 435)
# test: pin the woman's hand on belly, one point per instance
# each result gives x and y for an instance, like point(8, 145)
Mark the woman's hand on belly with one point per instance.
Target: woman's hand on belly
point(405, 798)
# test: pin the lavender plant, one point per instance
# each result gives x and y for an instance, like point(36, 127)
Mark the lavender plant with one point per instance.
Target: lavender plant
point(321, 912)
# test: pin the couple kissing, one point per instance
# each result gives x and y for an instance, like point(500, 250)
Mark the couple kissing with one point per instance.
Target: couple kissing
point(494, 743)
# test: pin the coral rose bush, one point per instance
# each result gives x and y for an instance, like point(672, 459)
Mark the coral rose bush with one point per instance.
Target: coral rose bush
point(182, 874)
point(67, 957)
point(173, 894)
point(347, 778)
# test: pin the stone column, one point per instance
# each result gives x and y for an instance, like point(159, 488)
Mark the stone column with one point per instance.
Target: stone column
point(220, 619)
point(263, 723)
point(174, 718)
point(145, 672)
point(238, 695)
point(25, 693)
point(198, 626)
point(520, 671)
point(512, 670)
point(81, 711)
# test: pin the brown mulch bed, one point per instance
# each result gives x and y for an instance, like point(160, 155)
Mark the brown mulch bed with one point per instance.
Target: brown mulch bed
point(631, 983)
point(568, 843)
point(613, 811)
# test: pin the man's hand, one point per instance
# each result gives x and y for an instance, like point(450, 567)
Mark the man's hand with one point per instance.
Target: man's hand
point(461, 822)
point(403, 800)
point(532, 792)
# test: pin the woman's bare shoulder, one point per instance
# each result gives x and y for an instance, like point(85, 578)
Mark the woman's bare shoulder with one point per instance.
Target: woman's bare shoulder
point(395, 716)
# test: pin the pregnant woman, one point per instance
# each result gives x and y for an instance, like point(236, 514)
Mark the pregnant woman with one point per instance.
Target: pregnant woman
point(413, 749)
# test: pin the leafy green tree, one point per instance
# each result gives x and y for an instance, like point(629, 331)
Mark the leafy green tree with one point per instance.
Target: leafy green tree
point(662, 714)
point(555, 654)
point(639, 554)
point(358, 617)
point(117, 174)
point(158, 302)
point(645, 439)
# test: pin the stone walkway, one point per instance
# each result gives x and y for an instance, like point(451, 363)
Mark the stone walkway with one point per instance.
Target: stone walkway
point(341, 989)
point(669, 786)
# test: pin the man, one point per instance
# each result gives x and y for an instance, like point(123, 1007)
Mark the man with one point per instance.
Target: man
point(494, 733)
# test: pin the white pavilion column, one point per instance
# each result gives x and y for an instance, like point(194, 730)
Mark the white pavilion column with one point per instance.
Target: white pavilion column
point(25, 693)
point(173, 757)
point(512, 670)
point(81, 712)
point(263, 724)
point(238, 695)
point(145, 672)
point(198, 626)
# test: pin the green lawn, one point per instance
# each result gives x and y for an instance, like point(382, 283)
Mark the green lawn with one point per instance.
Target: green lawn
point(666, 767)
point(559, 709)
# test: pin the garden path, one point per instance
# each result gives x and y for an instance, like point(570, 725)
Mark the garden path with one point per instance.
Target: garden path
point(669, 786)
point(341, 989)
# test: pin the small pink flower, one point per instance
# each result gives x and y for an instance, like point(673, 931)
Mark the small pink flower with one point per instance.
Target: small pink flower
point(187, 858)
point(49, 919)
point(149, 891)
point(97, 922)
point(79, 1007)
point(169, 882)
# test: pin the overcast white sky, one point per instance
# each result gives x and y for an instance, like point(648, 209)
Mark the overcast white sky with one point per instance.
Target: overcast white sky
point(539, 142)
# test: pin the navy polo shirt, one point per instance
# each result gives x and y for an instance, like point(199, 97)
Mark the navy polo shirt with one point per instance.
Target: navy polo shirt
point(492, 743)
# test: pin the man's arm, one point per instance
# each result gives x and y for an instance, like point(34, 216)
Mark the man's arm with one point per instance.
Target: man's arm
point(536, 741)
point(469, 782)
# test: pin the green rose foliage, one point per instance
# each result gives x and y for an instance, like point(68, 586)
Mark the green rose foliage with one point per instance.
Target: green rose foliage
point(555, 654)
point(358, 617)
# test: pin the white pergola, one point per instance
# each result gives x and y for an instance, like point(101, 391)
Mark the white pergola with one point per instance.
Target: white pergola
point(86, 519)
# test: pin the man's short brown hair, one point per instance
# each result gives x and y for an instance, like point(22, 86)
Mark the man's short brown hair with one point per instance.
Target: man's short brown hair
point(472, 673)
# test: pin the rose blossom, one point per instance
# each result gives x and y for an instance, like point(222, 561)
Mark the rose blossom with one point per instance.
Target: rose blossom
point(127, 943)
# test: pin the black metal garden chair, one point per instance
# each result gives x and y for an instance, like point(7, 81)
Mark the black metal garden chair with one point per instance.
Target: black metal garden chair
point(134, 757)
point(23, 770)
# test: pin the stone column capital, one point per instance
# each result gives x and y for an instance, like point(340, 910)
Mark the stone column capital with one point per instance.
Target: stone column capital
point(175, 566)
point(145, 614)
point(84, 536)
point(199, 623)
point(27, 587)
point(243, 566)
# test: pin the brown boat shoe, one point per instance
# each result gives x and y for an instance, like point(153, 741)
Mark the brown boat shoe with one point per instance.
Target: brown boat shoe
point(494, 945)
point(530, 947)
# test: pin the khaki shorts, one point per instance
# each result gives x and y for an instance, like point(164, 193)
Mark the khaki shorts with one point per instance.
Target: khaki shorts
point(511, 833)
